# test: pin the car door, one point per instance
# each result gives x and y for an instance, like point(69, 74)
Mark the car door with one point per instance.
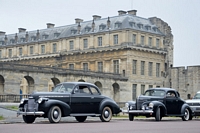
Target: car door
point(81, 99)
point(173, 103)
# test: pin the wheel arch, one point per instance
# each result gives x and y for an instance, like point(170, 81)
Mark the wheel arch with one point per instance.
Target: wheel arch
point(109, 103)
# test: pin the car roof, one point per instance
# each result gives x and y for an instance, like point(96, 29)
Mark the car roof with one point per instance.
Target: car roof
point(165, 89)
point(76, 83)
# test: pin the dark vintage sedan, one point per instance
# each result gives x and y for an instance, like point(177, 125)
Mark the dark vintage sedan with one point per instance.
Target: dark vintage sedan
point(77, 99)
point(158, 103)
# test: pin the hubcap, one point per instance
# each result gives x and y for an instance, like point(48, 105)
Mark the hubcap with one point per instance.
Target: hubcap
point(106, 113)
point(55, 114)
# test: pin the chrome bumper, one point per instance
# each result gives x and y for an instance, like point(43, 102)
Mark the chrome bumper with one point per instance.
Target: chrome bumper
point(40, 113)
point(138, 111)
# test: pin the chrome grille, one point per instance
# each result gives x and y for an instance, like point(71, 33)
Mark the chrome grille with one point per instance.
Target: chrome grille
point(194, 104)
point(32, 105)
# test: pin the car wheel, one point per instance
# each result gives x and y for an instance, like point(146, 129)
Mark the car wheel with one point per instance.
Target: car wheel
point(131, 117)
point(186, 116)
point(106, 114)
point(54, 114)
point(157, 117)
point(81, 118)
point(28, 118)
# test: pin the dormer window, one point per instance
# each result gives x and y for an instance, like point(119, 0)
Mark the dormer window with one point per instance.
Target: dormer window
point(87, 29)
point(73, 31)
point(22, 39)
point(12, 41)
point(148, 27)
point(45, 37)
point(132, 24)
point(2, 42)
point(33, 38)
point(102, 27)
point(118, 25)
point(56, 35)
point(140, 25)
point(155, 29)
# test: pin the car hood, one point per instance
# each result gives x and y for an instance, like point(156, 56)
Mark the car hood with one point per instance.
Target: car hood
point(36, 95)
point(193, 101)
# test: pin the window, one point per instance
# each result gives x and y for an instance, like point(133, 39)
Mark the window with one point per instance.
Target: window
point(142, 89)
point(134, 39)
point(115, 39)
point(116, 66)
point(44, 37)
point(157, 43)
point(142, 67)
point(10, 53)
point(85, 43)
point(20, 51)
point(150, 41)
point(71, 45)
point(150, 86)
point(118, 25)
point(33, 38)
point(54, 48)
point(12, 41)
point(2, 42)
point(101, 27)
point(56, 35)
point(87, 29)
point(99, 41)
point(42, 49)
point(100, 66)
point(85, 66)
point(142, 40)
point(94, 90)
point(0, 54)
point(150, 68)
point(22, 39)
point(31, 50)
point(132, 24)
point(73, 31)
point(71, 66)
point(134, 66)
point(134, 90)
point(157, 69)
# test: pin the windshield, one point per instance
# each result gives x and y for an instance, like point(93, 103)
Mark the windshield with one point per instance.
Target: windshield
point(63, 88)
point(159, 93)
point(197, 96)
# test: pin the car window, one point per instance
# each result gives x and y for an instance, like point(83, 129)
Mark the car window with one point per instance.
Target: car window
point(171, 94)
point(94, 90)
point(197, 96)
point(56, 88)
point(159, 93)
point(68, 87)
point(82, 89)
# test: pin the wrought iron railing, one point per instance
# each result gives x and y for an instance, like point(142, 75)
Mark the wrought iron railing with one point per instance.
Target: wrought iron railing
point(12, 98)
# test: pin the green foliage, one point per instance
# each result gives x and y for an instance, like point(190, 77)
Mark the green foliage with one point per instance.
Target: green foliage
point(1, 117)
point(12, 107)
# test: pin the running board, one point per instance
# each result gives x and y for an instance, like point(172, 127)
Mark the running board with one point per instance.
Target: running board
point(85, 114)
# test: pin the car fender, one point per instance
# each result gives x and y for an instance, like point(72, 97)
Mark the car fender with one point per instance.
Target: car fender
point(46, 105)
point(161, 105)
point(110, 103)
point(184, 106)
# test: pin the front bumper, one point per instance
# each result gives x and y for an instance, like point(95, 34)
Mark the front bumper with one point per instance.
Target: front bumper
point(138, 111)
point(38, 113)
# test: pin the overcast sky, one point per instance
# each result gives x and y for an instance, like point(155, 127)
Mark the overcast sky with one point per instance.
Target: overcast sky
point(183, 16)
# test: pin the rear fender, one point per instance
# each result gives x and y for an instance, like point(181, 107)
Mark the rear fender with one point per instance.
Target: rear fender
point(183, 109)
point(110, 103)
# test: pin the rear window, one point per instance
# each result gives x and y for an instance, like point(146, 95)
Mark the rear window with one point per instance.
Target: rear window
point(197, 96)
point(159, 93)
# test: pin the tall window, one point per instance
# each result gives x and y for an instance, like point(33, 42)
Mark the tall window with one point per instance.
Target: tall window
point(142, 67)
point(150, 41)
point(20, 51)
point(54, 48)
point(142, 40)
point(42, 49)
point(134, 39)
point(116, 66)
point(150, 68)
point(31, 50)
point(100, 66)
point(99, 41)
point(134, 91)
point(134, 66)
point(157, 43)
point(71, 45)
point(0, 54)
point(85, 66)
point(157, 69)
point(10, 53)
point(142, 89)
point(85, 43)
point(150, 86)
point(71, 66)
point(115, 39)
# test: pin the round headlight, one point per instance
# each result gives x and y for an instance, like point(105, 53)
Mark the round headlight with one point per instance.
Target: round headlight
point(143, 107)
point(151, 105)
point(40, 100)
point(22, 101)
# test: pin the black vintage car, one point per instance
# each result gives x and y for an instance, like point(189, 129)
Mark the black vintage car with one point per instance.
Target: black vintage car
point(158, 103)
point(77, 99)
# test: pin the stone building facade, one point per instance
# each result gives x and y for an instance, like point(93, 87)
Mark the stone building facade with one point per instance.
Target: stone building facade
point(140, 49)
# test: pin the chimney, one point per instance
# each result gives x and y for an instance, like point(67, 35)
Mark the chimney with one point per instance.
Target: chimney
point(78, 20)
point(50, 25)
point(120, 12)
point(2, 33)
point(21, 30)
point(132, 12)
point(96, 17)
